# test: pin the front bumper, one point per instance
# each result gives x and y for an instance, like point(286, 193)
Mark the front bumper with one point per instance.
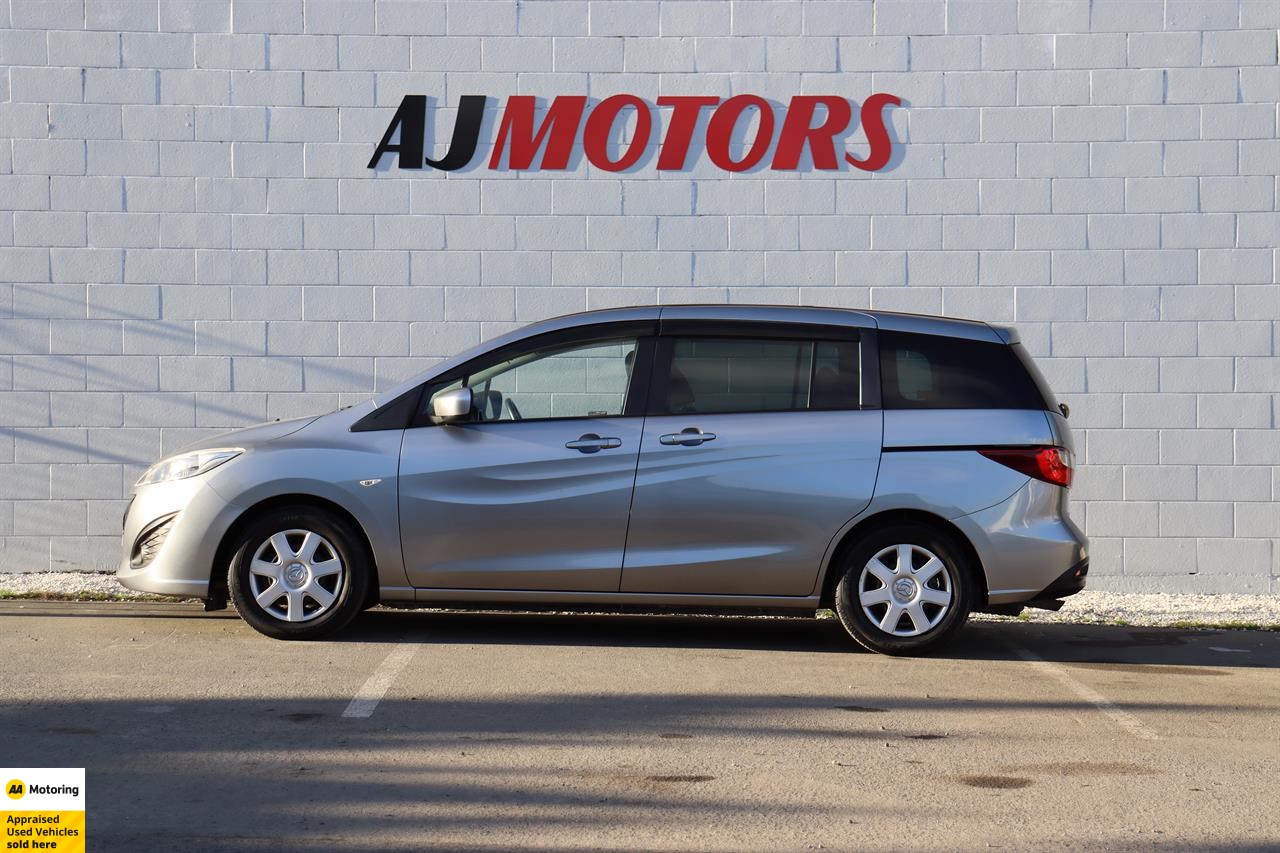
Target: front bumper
point(184, 562)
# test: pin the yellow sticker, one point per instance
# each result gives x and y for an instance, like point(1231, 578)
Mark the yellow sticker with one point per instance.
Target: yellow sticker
point(48, 811)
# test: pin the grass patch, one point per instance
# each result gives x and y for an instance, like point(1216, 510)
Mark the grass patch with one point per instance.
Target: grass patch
point(1228, 625)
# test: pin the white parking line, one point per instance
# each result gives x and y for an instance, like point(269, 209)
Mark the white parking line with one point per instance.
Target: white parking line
point(371, 693)
point(1120, 717)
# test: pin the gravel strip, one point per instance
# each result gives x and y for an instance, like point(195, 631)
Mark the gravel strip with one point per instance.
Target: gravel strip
point(1160, 609)
point(1090, 606)
point(66, 584)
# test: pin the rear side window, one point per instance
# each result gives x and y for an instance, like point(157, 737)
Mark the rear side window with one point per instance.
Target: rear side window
point(730, 375)
point(932, 372)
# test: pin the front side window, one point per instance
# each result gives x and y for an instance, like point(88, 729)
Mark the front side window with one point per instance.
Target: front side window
point(576, 381)
point(933, 372)
point(728, 375)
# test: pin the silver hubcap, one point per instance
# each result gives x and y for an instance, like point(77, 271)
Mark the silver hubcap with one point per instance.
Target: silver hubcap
point(296, 575)
point(905, 590)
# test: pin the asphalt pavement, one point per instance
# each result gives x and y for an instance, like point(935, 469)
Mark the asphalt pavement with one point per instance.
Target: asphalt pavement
point(415, 730)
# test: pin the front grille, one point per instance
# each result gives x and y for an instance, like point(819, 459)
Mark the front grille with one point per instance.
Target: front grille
point(150, 541)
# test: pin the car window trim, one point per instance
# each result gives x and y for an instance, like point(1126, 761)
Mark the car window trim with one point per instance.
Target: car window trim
point(685, 327)
point(396, 414)
point(869, 370)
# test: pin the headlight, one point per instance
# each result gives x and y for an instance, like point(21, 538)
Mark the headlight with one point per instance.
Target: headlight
point(188, 465)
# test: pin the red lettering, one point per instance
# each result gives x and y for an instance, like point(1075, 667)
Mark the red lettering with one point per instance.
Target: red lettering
point(595, 138)
point(559, 128)
point(881, 146)
point(684, 118)
point(720, 132)
point(796, 132)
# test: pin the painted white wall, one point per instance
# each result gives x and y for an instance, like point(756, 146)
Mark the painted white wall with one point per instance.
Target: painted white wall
point(190, 240)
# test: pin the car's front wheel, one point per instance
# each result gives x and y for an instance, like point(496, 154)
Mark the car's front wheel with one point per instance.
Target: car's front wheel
point(298, 573)
point(904, 589)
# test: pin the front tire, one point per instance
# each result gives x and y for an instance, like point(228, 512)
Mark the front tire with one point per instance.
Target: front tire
point(905, 589)
point(299, 573)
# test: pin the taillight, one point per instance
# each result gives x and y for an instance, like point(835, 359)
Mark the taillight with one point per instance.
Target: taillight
point(1051, 464)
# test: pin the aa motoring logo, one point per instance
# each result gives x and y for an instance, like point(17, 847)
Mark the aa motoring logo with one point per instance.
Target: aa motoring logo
point(17, 789)
point(526, 140)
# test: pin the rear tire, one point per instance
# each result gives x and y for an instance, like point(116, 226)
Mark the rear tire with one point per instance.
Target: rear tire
point(299, 573)
point(905, 589)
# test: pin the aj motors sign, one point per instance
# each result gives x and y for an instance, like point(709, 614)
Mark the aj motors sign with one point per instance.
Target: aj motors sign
point(526, 140)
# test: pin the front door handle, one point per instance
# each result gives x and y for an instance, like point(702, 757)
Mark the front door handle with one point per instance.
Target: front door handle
point(688, 437)
point(592, 443)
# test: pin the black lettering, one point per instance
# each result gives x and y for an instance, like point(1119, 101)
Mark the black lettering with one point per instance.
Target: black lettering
point(411, 118)
point(466, 134)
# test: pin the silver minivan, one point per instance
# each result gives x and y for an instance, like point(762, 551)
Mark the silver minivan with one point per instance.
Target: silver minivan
point(903, 470)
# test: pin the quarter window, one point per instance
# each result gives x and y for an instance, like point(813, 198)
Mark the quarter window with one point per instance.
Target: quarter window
point(934, 372)
point(728, 375)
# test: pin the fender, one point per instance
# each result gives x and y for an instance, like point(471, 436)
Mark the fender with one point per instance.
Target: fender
point(907, 482)
point(284, 470)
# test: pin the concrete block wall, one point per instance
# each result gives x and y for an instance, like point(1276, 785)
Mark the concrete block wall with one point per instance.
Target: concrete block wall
point(190, 239)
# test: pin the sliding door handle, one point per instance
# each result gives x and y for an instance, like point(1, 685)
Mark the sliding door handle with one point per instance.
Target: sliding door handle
point(592, 443)
point(688, 437)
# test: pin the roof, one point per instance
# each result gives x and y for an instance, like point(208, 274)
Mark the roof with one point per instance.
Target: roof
point(869, 319)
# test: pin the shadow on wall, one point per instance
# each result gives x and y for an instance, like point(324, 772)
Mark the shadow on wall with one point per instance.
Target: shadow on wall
point(55, 370)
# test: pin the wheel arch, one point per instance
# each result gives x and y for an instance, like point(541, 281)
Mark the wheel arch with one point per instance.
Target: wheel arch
point(226, 546)
point(885, 518)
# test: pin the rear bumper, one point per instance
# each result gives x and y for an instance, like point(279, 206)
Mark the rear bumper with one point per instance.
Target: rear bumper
point(1068, 583)
point(1027, 545)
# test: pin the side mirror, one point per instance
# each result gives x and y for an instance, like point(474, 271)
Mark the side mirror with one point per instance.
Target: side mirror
point(452, 406)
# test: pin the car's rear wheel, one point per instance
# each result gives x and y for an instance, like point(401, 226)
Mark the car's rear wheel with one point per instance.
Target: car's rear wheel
point(904, 589)
point(298, 573)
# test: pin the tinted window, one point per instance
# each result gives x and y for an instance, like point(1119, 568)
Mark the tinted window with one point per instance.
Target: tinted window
point(1046, 393)
point(729, 375)
point(583, 381)
point(835, 375)
point(931, 372)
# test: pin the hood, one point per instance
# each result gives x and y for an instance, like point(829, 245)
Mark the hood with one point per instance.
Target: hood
point(254, 436)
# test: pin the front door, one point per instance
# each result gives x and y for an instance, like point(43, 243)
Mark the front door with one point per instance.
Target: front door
point(756, 454)
point(533, 492)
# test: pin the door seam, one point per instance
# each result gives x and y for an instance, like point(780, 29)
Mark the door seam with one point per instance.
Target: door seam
point(635, 473)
